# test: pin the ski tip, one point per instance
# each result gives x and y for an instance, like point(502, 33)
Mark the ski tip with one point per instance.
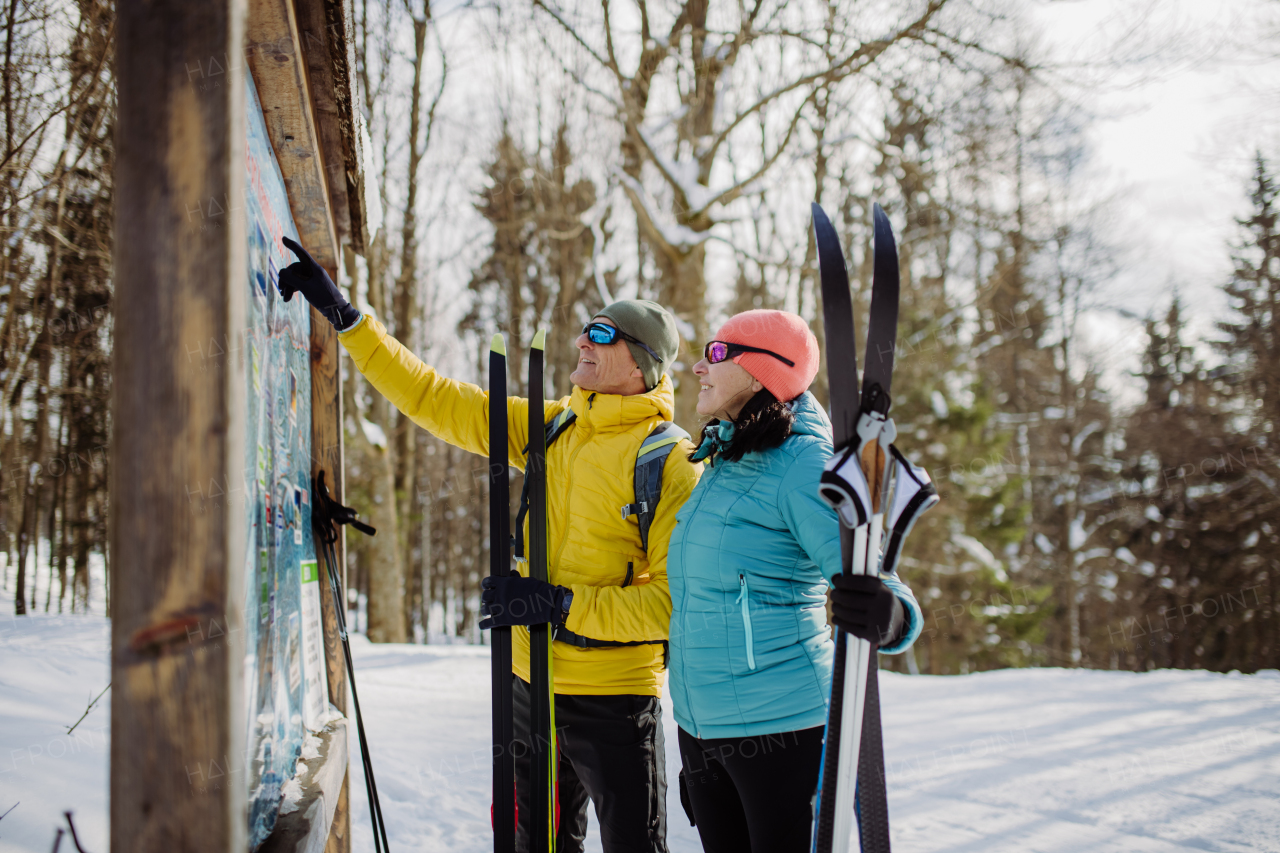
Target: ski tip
point(883, 231)
point(498, 346)
point(540, 339)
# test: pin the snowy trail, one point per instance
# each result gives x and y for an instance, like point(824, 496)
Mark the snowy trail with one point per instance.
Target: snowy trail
point(438, 698)
point(1032, 761)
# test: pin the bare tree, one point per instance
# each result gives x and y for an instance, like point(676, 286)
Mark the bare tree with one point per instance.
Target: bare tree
point(682, 89)
point(54, 343)
point(378, 560)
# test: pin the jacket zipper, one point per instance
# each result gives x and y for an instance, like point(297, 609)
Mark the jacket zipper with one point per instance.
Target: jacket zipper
point(684, 554)
point(745, 601)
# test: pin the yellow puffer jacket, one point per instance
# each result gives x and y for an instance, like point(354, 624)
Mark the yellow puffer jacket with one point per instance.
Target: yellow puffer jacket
point(590, 478)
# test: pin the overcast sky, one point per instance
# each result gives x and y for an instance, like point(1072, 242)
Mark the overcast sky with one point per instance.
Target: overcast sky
point(1174, 143)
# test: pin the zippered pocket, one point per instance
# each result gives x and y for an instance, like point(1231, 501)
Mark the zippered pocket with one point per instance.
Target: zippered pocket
point(744, 599)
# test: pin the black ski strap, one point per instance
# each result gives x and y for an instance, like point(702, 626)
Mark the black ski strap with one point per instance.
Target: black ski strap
point(555, 428)
point(326, 516)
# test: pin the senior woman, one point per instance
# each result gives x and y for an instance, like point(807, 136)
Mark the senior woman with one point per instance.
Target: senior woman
point(751, 557)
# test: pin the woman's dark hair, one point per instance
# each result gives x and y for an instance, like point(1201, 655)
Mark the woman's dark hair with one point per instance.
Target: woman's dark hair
point(763, 424)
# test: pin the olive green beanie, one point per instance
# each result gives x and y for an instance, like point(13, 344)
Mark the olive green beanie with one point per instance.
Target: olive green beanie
point(649, 322)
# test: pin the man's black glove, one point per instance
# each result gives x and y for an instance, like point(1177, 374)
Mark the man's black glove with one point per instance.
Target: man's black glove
point(514, 600)
point(863, 606)
point(309, 278)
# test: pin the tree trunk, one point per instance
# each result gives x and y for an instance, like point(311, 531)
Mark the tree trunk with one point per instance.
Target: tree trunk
point(384, 566)
point(29, 532)
point(406, 311)
point(386, 583)
point(684, 293)
point(57, 514)
point(81, 533)
point(24, 537)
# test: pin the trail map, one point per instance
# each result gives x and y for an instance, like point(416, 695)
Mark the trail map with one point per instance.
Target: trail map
point(285, 682)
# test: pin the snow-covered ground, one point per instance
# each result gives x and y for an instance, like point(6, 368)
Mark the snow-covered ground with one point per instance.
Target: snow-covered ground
point(51, 667)
point(1017, 760)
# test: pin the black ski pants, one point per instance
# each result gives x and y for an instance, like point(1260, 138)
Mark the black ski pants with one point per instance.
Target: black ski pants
point(612, 753)
point(752, 793)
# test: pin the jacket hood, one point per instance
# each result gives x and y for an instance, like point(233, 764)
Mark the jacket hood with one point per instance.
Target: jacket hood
point(810, 419)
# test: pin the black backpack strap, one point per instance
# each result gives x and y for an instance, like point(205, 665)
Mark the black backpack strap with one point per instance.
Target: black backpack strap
point(555, 427)
point(650, 462)
point(564, 635)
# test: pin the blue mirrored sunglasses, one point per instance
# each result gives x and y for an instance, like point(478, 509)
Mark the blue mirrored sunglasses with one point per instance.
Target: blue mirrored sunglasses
point(602, 333)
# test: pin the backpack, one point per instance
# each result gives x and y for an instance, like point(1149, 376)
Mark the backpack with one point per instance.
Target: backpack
point(650, 461)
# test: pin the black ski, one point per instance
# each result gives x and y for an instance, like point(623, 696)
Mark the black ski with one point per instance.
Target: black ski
point(842, 370)
point(882, 332)
point(877, 380)
point(542, 725)
point(504, 763)
point(853, 751)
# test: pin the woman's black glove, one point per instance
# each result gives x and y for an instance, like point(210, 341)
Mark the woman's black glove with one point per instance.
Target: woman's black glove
point(309, 278)
point(863, 606)
point(514, 600)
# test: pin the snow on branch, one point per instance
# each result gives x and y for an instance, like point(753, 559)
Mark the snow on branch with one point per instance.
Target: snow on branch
point(681, 238)
point(981, 553)
point(682, 175)
point(597, 265)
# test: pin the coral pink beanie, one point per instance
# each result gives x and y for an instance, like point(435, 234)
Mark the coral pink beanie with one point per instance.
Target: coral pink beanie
point(782, 332)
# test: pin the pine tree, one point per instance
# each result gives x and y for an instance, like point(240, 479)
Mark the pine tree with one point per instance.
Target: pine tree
point(1253, 336)
point(1198, 516)
point(1252, 347)
point(976, 615)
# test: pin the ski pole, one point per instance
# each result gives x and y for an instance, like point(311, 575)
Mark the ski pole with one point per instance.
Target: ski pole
point(327, 514)
point(371, 785)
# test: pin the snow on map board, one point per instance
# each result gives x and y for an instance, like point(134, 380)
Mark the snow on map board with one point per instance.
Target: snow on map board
point(285, 679)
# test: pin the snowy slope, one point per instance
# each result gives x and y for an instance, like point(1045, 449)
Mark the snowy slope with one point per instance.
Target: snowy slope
point(51, 667)
point(1062, 760)
point(1019, 760)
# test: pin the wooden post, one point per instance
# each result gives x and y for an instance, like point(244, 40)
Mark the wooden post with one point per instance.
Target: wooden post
point(280, 72)
point(177, 448)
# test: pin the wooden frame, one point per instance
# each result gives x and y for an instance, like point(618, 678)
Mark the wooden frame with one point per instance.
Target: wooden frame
point(177, 767)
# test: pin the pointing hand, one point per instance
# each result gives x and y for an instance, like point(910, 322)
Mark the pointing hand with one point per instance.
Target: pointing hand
point(309, 278)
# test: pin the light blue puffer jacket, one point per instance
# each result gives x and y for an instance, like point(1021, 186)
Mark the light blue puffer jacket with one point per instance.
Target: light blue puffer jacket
point(748, 565)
